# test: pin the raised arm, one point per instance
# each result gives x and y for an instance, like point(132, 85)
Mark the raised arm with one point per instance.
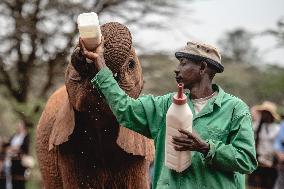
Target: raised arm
point(136, 114)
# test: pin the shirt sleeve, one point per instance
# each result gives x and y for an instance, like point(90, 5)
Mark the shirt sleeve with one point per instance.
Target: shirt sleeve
point(143, 115)
point(239, 153)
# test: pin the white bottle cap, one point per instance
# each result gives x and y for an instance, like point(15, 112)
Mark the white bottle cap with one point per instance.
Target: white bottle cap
point(86, 19)
point(89, 29)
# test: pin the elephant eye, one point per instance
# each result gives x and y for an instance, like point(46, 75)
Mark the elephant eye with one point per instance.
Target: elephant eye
point(75, 76)
point(131, 64)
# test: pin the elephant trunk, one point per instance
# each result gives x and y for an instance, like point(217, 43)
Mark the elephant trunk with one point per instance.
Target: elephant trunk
point(80, 64)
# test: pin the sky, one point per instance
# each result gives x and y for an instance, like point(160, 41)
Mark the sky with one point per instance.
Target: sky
point(208, 20)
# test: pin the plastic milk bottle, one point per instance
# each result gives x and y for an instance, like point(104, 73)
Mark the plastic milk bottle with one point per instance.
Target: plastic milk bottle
point(89, 29)
point(179, 116)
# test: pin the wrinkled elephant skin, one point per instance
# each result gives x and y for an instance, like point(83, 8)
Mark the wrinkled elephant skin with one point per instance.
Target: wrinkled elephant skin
point(78, 140)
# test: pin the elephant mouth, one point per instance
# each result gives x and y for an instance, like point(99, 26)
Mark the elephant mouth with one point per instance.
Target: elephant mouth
point(141, 88)
point(133, 90)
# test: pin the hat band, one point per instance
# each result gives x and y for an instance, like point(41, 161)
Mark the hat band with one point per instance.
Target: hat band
point(219, 67)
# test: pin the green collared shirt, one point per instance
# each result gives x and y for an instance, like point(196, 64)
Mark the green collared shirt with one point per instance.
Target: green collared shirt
point(225, 123)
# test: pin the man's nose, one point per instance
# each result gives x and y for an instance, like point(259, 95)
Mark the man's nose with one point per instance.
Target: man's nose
point(177, 71)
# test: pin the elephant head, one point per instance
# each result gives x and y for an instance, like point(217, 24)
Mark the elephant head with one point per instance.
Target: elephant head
point(120, 57)
point(82, 98)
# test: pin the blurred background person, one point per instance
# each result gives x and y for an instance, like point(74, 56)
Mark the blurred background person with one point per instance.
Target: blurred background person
point(266, 129)
point(2, 158)
point(5, 168)
point(279, 154)
point(255, 115)
point(18, 147)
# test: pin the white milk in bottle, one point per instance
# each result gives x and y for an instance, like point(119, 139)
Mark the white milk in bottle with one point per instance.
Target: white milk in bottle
point(179, 116)
point(89, 29)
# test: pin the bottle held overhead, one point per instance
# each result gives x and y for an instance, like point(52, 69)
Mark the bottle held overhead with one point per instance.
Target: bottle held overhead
point(179, 116)
point(89, 30)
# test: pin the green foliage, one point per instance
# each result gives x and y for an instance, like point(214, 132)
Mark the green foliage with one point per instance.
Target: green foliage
point(273, 84)
point(158, 73)
point(6, 118)
point(278, 33)
point(31, 111)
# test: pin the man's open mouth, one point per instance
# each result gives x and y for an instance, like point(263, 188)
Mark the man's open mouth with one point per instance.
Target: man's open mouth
point(179, 79)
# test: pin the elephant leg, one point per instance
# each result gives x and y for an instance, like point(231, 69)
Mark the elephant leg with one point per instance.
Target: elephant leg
point(130, 174)
point(133, 173)
point(48, 160)
point(78, 173)
point(139, 174)
point(70, 169)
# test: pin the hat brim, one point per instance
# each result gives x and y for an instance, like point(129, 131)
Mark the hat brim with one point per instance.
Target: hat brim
point(273, 113)
point(216, 65)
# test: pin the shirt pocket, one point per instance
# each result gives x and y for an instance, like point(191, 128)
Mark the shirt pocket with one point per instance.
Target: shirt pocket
point(164, 181)
point(163, 184)
point(216, 133)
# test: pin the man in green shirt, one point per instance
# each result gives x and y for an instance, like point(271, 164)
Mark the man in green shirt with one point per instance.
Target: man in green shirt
point(222, 144)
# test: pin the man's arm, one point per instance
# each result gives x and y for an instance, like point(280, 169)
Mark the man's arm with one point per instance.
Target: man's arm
point(140, 115)
point(239, 154)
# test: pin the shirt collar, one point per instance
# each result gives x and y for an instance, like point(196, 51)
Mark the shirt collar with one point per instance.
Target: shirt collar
point(218, 98)
point(221, 93)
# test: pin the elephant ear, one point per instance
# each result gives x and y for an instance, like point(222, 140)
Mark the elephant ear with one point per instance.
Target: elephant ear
point(136, 144)
point(64, 122)
point(117, 45)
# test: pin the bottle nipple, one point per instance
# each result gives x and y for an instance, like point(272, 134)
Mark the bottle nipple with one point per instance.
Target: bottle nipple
point(180, 97)
point(180, 90)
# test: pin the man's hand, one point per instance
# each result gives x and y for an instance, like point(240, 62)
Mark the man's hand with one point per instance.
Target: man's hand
point(190, 142)
point(96, 57)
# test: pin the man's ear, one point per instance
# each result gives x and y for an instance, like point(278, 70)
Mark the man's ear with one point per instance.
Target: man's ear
point(203, 67)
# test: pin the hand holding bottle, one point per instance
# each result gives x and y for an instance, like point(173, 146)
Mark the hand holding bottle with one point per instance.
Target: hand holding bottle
point(97, 57)
point(190, 142)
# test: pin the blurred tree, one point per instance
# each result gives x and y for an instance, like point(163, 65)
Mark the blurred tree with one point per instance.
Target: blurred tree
point(158, 73)
point(237, 47)
point(278, 32)
point(271, 84)
point(36, 39)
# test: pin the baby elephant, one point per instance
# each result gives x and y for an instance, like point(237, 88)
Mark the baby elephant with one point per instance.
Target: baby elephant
point(79, 142)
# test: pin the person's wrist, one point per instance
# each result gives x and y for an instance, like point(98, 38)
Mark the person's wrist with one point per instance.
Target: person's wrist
point(100, 63)
point(205, 148)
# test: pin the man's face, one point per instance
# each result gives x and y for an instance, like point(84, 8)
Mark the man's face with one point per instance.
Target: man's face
point(188, 73)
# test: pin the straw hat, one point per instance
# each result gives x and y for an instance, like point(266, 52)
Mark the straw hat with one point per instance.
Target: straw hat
point(270, 107)
point(202, 52)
